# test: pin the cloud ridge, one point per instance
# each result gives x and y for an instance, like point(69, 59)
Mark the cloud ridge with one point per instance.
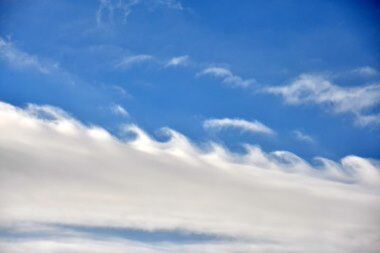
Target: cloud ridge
point(94, 178)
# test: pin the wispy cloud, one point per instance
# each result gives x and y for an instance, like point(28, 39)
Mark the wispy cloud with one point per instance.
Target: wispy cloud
point(87, 177)
point(120, 91)
point(130, 61)
point(366, 71)
point(316, 89)
point(240, 124)
point(171, 4)
point(111, 10)
point(302, 136)
point(119, 110)
point(177, 61)
point(227, 76)
point(22, 60)
point(108, 9)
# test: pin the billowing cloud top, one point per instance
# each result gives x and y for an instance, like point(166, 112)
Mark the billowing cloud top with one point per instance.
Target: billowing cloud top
point(55, 170)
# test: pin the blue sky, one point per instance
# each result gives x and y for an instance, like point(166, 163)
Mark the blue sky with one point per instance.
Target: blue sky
point(295, 76)
point(272, 43)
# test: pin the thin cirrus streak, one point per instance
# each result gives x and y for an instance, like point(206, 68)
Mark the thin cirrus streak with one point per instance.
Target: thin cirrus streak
point(119, 110)
point(128, 62)
point(265, 201)
point(108, 9)
point(23, 60)
point(227, 77)
point(240, 124)
point(302, 136)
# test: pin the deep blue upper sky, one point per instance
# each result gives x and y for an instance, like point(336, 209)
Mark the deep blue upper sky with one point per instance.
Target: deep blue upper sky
point(83, 45)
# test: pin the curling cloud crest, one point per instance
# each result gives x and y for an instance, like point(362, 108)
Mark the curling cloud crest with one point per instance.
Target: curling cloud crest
point(55, 170)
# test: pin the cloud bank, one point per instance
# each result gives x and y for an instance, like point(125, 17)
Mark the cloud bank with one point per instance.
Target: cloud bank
point(56, 170)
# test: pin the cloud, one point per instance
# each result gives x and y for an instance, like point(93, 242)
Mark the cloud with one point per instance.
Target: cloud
point(241, 124)
point(119, 110)
point(302, 136)
point(120, 91)
point(177, 61)
point(110, 11)
point(171, 4)
point(130, 61)
point(227, 77)
point(100, 245)
point(22, 60)
point(56, 170)
point(316, 89)
point(366, 71)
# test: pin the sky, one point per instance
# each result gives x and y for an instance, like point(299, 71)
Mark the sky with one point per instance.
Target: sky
point(189, 126)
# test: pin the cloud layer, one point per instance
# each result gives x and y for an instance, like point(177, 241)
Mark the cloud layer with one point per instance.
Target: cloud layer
point(55, 170)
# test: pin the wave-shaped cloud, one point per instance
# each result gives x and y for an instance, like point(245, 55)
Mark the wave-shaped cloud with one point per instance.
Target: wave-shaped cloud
point(56, 170)
point(241, 124)
point(227, 77)
point(317, 89)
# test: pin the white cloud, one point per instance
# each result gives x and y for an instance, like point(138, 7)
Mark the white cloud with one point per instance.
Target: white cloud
point(171, 4)
point(19, 59)
point(55, 170)
point(110, 11)
point(366, 71)
point(119, 110)
point(365, 120)
point(129, 61)
point(120, 91)
point(316, 89)
point(227, 77)
point(177, 61)
point(302, 136)
point(241, 124)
